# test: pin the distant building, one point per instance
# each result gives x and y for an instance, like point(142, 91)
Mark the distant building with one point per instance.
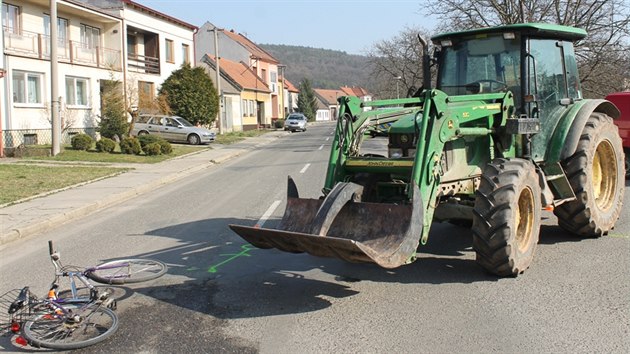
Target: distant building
point(98, 41)
point(244, 93)
point(359, 92)
point(327, 104)
point(238, 48)
point(291, 97)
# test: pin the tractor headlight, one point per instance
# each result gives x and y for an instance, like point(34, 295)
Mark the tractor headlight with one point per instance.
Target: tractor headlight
point(395, 153)
point(411, 152)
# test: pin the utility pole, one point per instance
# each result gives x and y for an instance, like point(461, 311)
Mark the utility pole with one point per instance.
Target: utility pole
point(54, 87)
point(218, 72)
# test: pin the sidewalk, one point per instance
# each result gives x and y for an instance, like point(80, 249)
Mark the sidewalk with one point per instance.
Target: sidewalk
point(37, 215)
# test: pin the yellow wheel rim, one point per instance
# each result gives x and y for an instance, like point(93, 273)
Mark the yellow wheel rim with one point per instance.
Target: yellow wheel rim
point(604, 175)
point(524, 219)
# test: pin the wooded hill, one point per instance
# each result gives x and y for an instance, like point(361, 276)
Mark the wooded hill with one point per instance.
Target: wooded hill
point(328, 69)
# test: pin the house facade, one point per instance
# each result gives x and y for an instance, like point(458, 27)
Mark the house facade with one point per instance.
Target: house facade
point(290, 97)
point(154, 45)
point(88, 51)
point(244, 93)
point(327, 105)
point(99, 41)
point(238, 48)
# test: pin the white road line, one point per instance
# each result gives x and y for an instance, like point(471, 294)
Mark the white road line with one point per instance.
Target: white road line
point(321, 147)
point(327, 138)
point(267, 214)
point(199, 250)
point(305, 168)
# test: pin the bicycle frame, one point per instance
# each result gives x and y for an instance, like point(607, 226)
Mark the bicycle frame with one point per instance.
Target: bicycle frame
point(55, 258)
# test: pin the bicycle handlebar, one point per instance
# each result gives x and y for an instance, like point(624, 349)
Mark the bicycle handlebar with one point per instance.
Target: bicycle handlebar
point(50, 247)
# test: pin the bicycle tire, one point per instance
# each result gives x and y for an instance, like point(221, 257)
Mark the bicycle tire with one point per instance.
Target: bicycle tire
point(58, 332)
point(125, 271)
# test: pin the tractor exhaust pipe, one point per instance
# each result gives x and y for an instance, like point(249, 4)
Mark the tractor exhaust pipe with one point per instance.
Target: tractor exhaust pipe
point(426, 64)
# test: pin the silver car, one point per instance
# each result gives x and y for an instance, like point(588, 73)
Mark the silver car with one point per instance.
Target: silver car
point(295, 122)
point(172, 128)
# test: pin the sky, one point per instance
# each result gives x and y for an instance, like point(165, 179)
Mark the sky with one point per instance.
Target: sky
point(352, 26)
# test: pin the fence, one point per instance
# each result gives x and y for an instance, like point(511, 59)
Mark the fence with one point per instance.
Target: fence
point(14, 138)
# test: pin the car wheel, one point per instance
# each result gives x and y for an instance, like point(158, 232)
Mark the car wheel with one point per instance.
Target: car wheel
point(193, 139)
point(144, 132)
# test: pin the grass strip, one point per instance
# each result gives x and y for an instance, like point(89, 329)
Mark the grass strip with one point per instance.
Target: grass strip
point(22, 181)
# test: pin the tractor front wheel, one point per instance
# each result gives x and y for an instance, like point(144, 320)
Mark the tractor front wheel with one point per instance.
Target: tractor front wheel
point(595, 172)
point(506, 216)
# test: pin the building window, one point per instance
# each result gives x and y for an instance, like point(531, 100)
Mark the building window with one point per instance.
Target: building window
point(27, 87)
point(76, 91)
point(62, 29)
point(245, 107)
point(252, 108)
point(90, 36)
point(132, 46)
point(185, 53)
point(263, 75)
point(170, 55)
point(11, 18)
point(146, 94)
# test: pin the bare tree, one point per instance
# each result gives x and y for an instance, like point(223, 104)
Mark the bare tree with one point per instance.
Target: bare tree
point(396, 63)
point(603, 57)
point(67, 115)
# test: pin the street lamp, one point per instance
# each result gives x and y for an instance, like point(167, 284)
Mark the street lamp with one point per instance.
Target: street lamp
point(398, 78)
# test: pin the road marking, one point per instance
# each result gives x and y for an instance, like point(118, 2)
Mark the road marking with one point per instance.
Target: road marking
point(267, 214)
point(305, 168)
point(321, 147)
point(327, 138)
point(199, 250)
point(233, 256)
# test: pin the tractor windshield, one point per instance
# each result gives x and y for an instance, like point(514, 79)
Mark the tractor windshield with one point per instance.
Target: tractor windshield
point(483, 64)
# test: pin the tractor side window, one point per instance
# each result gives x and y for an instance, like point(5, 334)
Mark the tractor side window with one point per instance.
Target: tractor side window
point(573, 80)
point(546, 75)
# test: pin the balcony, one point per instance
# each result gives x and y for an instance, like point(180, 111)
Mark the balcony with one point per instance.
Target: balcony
point(143, 64)
point(37, 45)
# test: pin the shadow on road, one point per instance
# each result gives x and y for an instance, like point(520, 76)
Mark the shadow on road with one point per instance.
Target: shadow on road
point(228, 278)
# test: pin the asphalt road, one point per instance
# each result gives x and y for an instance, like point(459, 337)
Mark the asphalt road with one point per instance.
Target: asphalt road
point(222, 295)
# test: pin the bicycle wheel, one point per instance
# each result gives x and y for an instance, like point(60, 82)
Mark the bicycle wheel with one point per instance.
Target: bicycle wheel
point(124, 271)
point(82, 327)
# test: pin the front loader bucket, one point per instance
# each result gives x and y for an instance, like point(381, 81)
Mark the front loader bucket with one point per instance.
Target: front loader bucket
point(338, 226)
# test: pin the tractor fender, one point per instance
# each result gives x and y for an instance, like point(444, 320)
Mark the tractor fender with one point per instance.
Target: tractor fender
point(567, 134)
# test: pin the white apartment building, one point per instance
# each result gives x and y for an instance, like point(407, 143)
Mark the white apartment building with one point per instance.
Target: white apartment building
point(98, 41)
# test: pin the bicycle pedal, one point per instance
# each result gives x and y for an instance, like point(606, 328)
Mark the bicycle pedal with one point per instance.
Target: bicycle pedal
point(108, 302)
point(113, 305)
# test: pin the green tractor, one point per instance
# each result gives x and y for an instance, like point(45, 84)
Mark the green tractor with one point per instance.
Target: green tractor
point(504, 135)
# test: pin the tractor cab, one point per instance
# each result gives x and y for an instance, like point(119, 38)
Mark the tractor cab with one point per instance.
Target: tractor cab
point(536, 62)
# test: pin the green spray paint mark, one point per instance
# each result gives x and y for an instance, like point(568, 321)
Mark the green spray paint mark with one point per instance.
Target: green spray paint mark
point(232, 256)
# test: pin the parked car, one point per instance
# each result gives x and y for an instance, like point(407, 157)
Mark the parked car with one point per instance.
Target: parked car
point(172, 128)
point(622, 101)
point(295, 122)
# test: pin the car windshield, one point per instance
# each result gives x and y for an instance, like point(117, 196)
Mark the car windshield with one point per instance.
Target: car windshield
point(296, 117)
point(184, 122)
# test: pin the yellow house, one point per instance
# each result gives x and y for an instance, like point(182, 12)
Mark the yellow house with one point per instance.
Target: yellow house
point(244, 98)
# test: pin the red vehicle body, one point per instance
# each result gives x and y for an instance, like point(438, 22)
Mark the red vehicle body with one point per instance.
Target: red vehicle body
point(622, 101)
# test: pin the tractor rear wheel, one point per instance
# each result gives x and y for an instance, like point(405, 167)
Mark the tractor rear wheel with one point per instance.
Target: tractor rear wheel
point(506, 216)
point(596, 176)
